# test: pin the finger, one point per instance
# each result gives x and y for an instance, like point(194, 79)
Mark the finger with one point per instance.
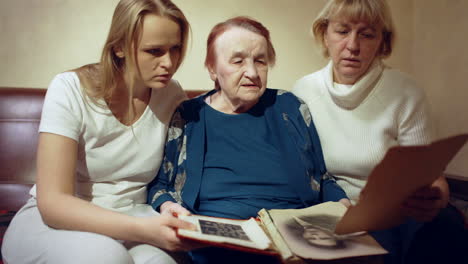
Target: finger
point(180, 210)
point(189, 245)
point(183, 211)
point(164, 206)
point(166, 212)
point(420, 193)
point(176, 243)
point(177, 223)
point(177, 209)
point(434, 193)
point(421, 216)
point(166, 238)
point(424, 204)
point(428, 192)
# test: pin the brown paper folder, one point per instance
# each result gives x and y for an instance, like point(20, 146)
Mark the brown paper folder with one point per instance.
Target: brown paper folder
point(403, 170)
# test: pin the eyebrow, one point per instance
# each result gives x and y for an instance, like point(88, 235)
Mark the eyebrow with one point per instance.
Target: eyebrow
point(238, 54)
point(150, 46)
point(156, 46)
point(370, 27)
point(241, 54)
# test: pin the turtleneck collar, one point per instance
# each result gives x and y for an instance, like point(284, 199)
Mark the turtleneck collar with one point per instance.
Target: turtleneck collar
point(354, 96)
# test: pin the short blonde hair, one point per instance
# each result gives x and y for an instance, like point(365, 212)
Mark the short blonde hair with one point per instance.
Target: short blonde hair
point(99, 81)
point(374, 12)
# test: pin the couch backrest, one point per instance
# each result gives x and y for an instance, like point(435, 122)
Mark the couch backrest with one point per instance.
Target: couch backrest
point(20, 113)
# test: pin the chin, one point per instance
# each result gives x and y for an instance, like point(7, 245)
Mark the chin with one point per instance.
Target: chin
point(252, 97)
point(255, 90)
point(351, 72)
point(158, 85)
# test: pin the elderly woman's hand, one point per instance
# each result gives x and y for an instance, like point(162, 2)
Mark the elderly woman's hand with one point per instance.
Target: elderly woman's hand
point(424, 204)
point(174, 209)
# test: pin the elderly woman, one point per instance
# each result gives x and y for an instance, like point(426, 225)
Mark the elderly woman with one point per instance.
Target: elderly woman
point(362, 107)
point(241, 147)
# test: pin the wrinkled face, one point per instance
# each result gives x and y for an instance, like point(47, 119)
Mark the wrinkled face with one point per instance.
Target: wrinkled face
point(352, 46)
point(158, 52)
point(241, 66)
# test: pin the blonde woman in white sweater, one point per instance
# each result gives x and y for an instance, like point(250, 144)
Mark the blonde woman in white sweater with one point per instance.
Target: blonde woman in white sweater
point(361, 108)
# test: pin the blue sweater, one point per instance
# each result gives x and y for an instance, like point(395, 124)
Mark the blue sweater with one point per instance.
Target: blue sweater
point(180, 175)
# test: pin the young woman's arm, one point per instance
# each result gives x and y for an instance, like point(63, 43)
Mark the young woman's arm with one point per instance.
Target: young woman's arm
point(60, 209)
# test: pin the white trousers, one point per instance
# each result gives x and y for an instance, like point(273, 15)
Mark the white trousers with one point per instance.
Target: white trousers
point(28, 240)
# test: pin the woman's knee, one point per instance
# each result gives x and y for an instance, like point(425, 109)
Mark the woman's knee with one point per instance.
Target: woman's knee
point(62, 246)
point(87, 248)
point(146, 254)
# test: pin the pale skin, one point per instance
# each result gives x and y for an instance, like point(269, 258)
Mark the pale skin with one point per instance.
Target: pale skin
point(158, 54)
point(241, 70)
point(57, 155)
point(353, 46)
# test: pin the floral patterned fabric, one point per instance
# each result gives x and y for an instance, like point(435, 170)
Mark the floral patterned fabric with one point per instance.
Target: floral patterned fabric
point(180, 174)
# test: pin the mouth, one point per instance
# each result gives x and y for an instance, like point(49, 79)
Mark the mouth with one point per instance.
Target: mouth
point(250, 86)
point(351, 63)
point(351, 60)
point(163, 77)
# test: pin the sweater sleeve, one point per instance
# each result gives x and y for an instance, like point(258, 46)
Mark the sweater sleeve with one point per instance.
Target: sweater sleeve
point(164, 187)
point(329, 189)
point(415, 127)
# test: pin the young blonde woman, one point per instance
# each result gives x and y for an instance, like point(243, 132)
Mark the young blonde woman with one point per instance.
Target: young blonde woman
point(101, 142)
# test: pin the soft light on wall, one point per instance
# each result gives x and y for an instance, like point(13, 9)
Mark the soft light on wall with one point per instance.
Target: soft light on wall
point(43, 38)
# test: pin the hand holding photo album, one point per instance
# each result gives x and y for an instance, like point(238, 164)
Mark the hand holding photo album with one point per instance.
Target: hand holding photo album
point(402, 171)
point(330, 230)
point(291, 233)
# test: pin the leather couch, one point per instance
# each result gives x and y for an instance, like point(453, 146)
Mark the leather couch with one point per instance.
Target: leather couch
point(20, 114)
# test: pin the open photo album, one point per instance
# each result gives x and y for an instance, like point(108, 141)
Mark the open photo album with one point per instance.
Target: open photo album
point(292, 234)
point(330, 230)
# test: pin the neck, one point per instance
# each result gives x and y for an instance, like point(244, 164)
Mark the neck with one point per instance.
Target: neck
point(343, 79)
point(128, 108)
point(139, 92)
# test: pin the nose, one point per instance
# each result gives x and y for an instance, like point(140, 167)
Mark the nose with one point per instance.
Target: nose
point(353, 42)
point(251, 70)
point(166, 60)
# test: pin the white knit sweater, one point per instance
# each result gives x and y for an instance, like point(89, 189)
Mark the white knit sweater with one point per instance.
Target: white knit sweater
point(358, 125)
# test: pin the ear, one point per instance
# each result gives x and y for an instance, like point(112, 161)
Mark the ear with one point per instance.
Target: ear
point(119, 52)
point(325, 38)
point(212, 73)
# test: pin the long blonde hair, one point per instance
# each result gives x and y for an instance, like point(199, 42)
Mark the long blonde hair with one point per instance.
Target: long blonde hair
point(100, 80)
